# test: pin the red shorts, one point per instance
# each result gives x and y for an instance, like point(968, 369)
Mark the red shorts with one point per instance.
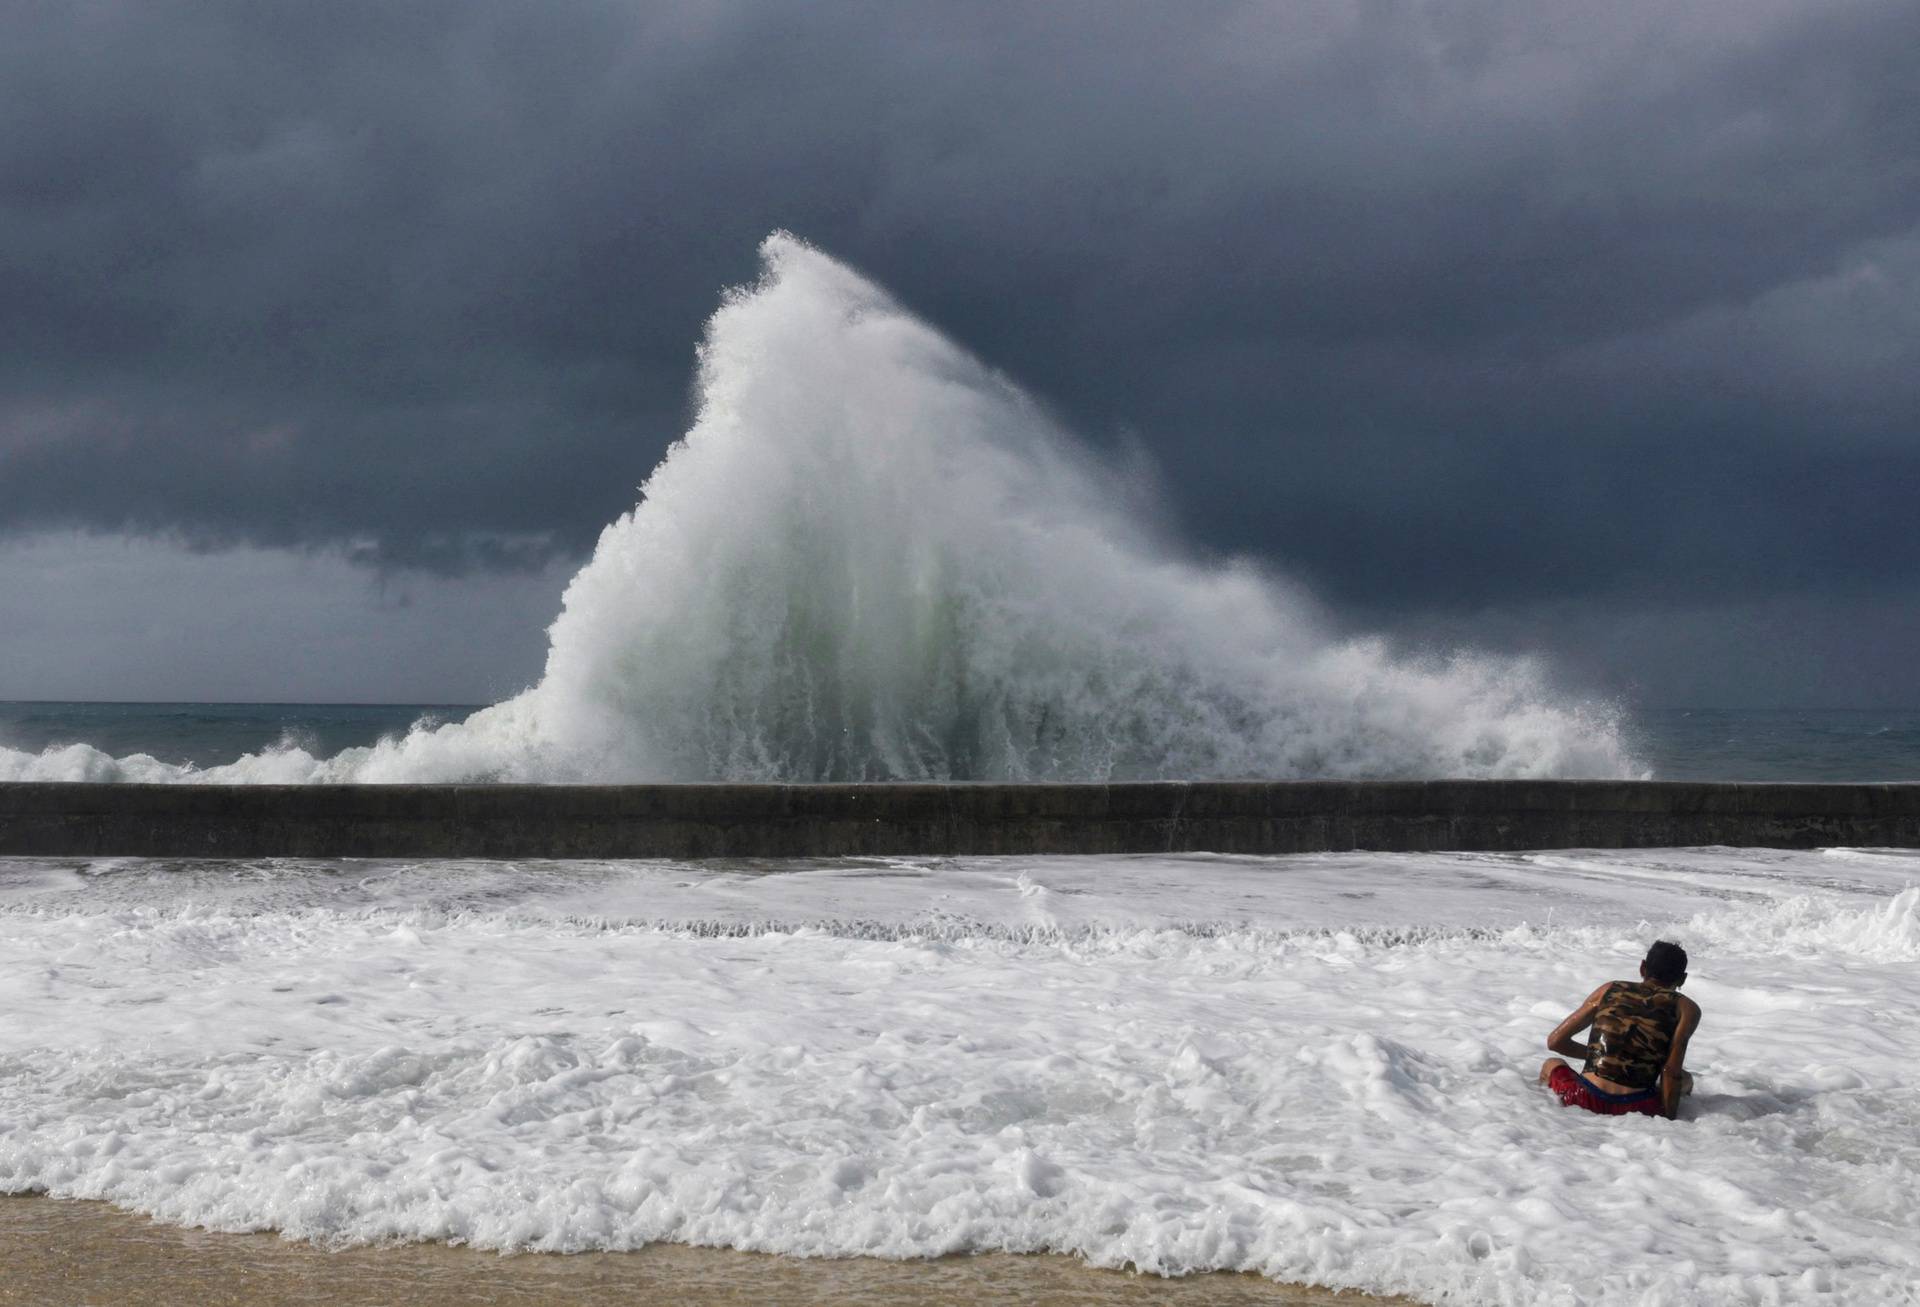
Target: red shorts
point(1574, 1091)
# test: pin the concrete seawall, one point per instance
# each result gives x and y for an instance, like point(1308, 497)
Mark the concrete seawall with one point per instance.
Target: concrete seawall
point(708, 821)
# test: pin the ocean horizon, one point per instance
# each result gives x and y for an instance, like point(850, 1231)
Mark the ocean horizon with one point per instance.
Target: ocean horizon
point(1705, 744)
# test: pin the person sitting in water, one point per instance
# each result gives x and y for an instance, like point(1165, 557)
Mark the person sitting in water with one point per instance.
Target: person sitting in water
point(1640, 1033)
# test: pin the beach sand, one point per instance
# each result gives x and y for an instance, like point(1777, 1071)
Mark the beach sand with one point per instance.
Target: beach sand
point(61, 1253)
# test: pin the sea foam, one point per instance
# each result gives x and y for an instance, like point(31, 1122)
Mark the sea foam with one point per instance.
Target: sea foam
point(1327, 1076)
point(873, 558)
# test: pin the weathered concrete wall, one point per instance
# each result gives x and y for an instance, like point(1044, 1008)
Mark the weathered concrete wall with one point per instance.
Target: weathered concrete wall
point(706, 821)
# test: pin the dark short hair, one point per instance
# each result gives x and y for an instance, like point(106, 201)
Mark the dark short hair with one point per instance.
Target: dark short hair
point(1666, 963)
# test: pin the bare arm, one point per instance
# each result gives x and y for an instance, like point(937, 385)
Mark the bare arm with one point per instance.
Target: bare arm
point(1562, 1039)
point(1671, 1074)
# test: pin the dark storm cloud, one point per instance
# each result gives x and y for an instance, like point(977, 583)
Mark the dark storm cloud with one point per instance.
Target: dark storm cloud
point(1443, 306)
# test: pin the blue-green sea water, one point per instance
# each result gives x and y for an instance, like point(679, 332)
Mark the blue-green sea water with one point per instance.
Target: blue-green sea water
point(1678, 744)
point(209, 734)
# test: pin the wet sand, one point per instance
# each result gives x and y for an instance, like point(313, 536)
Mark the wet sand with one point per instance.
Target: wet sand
point(60, 1253)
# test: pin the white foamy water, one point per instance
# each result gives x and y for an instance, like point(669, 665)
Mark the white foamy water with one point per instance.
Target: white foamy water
point(1319, 1068)
point(873, 558)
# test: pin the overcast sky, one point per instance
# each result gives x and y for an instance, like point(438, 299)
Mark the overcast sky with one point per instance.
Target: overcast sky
point(332, 333)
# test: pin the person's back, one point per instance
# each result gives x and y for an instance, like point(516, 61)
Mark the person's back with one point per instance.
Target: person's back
point(1635, 1059)
point(1633, 1029)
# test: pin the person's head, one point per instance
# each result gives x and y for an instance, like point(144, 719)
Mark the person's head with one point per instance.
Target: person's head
point(1665, 964)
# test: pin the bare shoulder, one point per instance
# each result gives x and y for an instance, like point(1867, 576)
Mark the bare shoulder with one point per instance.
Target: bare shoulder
point(1689, 1009)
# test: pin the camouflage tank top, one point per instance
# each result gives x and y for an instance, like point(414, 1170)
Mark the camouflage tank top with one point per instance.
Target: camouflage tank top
point(1632, 1033)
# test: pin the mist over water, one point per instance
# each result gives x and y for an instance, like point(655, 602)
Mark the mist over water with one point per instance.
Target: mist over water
point(872, 558)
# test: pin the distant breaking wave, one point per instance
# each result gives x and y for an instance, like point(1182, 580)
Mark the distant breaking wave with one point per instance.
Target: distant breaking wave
point(873, 558)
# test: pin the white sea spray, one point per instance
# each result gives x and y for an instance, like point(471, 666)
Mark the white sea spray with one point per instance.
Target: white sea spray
point(873, 558)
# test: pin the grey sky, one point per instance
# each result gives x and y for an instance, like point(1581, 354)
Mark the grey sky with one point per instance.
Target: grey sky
point(1545, 321)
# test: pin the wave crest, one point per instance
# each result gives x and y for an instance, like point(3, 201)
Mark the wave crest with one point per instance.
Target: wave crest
point(873, 558)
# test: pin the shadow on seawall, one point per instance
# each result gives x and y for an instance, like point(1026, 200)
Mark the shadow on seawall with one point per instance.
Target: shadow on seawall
point(725, 820)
